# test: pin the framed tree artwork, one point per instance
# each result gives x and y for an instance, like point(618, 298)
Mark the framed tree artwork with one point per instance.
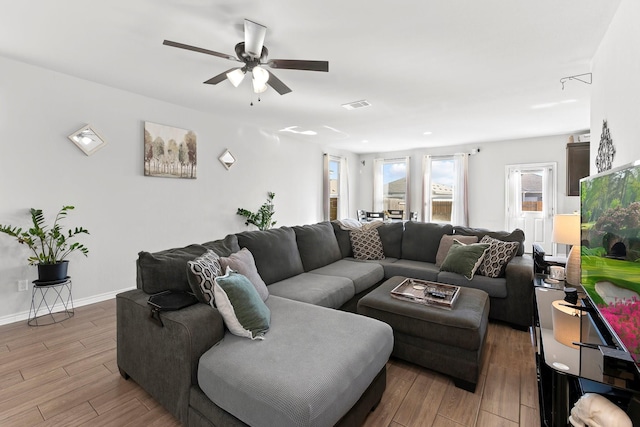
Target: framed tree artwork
point(169, 151)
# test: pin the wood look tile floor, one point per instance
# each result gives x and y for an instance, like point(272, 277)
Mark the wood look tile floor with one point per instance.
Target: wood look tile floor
point(66, 375)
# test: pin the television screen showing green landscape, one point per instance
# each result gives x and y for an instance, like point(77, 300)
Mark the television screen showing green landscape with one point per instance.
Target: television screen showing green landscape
point(610, 250)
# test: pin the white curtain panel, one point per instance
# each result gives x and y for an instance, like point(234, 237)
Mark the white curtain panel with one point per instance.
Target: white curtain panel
point(326, 188)
point(426, 189)
point(459, 209)
point(343, 202)
point(378, 189)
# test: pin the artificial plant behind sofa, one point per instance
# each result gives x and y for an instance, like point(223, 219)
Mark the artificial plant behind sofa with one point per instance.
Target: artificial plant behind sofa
point(303, 267)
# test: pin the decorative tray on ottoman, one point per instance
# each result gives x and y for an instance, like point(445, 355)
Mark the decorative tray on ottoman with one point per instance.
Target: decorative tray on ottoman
point(428, 293)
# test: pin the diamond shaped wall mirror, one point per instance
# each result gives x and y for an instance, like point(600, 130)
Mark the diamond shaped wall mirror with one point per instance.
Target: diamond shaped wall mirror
point(227, 159)
point(88, 140)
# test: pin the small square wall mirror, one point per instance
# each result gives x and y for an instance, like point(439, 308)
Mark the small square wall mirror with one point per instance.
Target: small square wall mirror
point(88, 140)
point(227, 159)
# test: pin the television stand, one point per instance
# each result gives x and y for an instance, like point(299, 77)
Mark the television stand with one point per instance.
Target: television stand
point(561, 380)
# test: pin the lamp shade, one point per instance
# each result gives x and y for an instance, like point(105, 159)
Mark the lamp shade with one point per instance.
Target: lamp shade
point(566, 323)
point(235, 76)
point(260, 78)
point(566, 229)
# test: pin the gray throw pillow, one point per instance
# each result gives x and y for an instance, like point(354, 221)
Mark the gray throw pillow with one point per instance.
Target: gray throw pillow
point(497, 257)
point(464, 259)
point(201, 273)
point(243, 263)
point(447, 241)
point(242, 309)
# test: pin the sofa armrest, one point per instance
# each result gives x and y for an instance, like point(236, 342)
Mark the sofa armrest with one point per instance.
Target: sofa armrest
point(164, 360)
point(519, 276)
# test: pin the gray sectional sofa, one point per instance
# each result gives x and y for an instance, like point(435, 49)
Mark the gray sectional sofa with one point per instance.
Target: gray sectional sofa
point(317, 365)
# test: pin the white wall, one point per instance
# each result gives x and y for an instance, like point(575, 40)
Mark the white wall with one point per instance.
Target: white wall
point(486, 175)
point(616, 86)
point(125, 211)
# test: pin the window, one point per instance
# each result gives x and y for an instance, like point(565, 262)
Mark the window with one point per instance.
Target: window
point(445, 189)
point(336, 190)
point(334, 187)
point(391, 186)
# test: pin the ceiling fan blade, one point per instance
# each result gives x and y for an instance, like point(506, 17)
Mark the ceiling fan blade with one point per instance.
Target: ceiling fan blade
point(219, 78)
point(277, 84)
point(254, 38)
point(199, 49)
point(294, 64)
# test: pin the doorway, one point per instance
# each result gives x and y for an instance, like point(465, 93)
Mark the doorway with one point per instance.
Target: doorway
point(530, 202)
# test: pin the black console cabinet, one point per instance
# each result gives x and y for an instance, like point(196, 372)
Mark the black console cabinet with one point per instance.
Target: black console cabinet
point(560, 383)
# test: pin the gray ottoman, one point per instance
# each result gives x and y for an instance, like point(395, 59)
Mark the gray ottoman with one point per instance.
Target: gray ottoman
point(447, 341)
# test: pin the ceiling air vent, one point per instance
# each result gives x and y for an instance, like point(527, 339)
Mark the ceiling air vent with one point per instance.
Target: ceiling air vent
point(356, 105)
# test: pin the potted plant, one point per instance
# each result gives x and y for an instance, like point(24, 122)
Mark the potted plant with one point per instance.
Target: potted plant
point(50, 245)
point(261, 218)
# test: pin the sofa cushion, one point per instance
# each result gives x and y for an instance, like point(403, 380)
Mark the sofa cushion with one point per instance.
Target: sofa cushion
point(391, 237)
point(409, 268)
point(420, 240)
point(243, 263)
point(497, 257)
point(366, 244)
point(275, 252)
point(317, 245)
point(316, 289)
point(344, 242)
point(166, 270)
point(464, 259)
point(516, 235)
point(291, 380)
point(447, 241)
point(363, 274)
point(240, 305)
point(201, 273)
point(224, 247)
point(496, 288)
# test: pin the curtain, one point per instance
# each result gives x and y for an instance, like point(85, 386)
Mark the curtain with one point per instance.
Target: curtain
point(460, 207)
point(343, 201)
point(325, 188)
point(426, 189)
point(378, 189)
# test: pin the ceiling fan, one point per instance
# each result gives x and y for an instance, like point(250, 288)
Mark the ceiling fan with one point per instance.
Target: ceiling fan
point(253, 54)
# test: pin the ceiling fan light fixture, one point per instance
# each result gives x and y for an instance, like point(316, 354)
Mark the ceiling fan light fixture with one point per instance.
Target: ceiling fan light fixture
point(236, 76)
point(258, 87)
point(260, 75)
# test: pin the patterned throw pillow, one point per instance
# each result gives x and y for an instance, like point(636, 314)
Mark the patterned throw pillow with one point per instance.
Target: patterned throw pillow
point(241, 307)
point(497, 257)
point(366, 244)
point(201, 273)
point(464, 259)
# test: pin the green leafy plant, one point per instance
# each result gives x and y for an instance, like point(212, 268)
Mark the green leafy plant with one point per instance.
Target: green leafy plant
point(261, 218)
point(49, 245)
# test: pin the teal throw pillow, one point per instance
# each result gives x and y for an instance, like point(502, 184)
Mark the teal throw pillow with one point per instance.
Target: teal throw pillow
point(464, 259)
point(240, 305)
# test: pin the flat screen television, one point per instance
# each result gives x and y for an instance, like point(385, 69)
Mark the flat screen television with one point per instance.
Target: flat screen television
point(610, 250)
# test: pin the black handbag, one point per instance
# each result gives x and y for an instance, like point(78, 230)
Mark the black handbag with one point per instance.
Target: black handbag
point(169, 301)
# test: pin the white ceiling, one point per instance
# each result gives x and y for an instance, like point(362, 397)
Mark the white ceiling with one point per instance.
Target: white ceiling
point(466, 70)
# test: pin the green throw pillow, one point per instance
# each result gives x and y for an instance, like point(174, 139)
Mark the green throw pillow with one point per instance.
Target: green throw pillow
point(240, 305)
point(464, 259)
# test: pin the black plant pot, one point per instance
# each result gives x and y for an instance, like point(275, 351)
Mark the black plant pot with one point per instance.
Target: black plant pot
point(52, 272)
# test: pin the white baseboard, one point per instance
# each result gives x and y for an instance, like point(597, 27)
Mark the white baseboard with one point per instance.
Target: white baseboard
point(22, 316)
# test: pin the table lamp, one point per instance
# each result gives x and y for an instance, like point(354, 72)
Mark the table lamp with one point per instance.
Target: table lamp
point(566, 230)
